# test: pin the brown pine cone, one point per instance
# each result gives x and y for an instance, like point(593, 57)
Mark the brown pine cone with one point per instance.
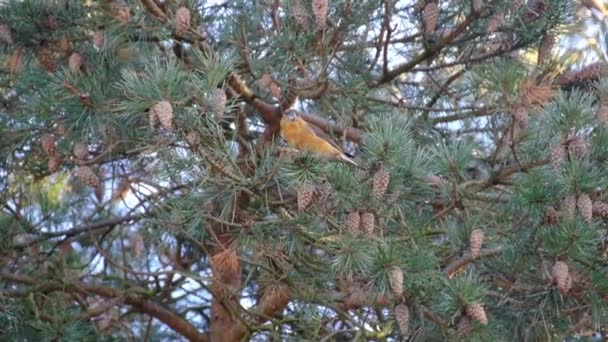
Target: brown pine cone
point(600, 209)
point(48, 144)
point(475, 241)
point(465, 328)
point(367, 223)
point(5, 34)
point(87, 176)
point(568, 206)
point(218, 102)
point(380, 182)
point(430, 17)
point(558, 157)
point(182, 21)
point(193, 139)
point(396, 281)
point(402, 316)
point(54, 163)
point(299, 13)
point(75, 62)
point(476, 312)
point(81, 151)
point(544, 50)
point(15, 61)
point(46, 60)
point(561, 276)
point(305, 196)
point(352, 222)
point(163, 112)
point(320, 9)
point(585, 206)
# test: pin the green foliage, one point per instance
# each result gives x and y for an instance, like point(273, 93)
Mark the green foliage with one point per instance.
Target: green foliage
point(196, 229)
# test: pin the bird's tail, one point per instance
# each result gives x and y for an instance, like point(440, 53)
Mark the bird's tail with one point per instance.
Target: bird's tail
point(346, 159)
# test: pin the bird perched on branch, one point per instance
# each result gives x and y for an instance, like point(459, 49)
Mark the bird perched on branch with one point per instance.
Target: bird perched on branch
point(301, 135)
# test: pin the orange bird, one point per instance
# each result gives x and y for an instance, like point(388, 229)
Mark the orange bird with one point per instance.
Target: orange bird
point(299, 134)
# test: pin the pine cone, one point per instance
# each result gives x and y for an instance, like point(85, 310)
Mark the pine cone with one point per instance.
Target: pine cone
point(592, 72)
point(585, 206)
point(182, 21)
point(163, 112)
point(494, 22)
point(15, 61)
point(568, 206)
point(98, 39)
point(299, 13)
point(48, 144)
point(578, 147)
point(65, 46)
point(54, 163)
point(544, 49)
point(380, 183)
point(81, 151)
point(218, 102)
point(602, 113)
point(477, 313)
point(5, 34)
point(465, 328)
point(75, 62)
point(561, 276)
point(46, 60)
point(352, 222)
point(402, 316)
point(551, 216)
point(558, 157)
point(87, 176)
point(600, 209)
point(396, 281)
point(430, 17)
point(475, 241)
point(320, 9)
point(367, 223)
point(305, 196)
point(193, 139)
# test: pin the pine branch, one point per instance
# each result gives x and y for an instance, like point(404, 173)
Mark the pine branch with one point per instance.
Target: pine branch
point(81, 229)
point(171, 319)
point(457, 265)
point(428, 53)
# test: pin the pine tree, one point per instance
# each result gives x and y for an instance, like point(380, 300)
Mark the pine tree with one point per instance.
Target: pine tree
point(148, 194)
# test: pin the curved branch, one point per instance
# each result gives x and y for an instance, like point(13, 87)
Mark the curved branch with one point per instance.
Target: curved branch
point(171, 319)
point(455, 266)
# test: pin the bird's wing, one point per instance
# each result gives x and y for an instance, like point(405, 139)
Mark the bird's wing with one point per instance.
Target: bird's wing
point(321, 134)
